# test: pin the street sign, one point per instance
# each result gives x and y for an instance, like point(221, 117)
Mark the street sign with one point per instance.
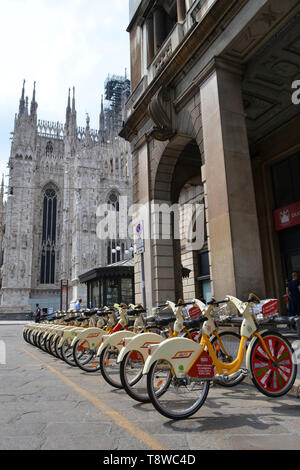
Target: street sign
point(64, 295)
point(139, 241)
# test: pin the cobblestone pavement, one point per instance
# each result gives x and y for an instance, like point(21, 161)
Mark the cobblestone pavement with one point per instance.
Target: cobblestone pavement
point(46, 404)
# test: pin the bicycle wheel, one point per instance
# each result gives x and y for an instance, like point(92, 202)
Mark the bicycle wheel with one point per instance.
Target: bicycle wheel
point(57, 349)
point(67, 353)
point(231, 342)
point(132, 378)
point(32, 338)
point(42, 342)
point(38, 339)
point(47, 344)
point(131, 373)
point(52, 345)
point(273, 379)
point(25, 333)
point(109, 367)
point(172, 397)
point(85, 358)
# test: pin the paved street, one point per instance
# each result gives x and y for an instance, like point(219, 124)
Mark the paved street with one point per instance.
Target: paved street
point(47, 405)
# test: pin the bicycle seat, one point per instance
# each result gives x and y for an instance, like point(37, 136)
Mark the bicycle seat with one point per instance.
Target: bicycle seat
point(151, 319)
point(101, 314)
point(195, 323)
point(164, 321)
point(81, 319)
point(90, 313)
point(135, 312)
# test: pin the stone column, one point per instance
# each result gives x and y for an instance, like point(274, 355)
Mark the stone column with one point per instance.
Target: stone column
point(181, 10)
point(166, 262)
point(159, 28)
point(150, 39)
point(234, 242)
point(142, 214)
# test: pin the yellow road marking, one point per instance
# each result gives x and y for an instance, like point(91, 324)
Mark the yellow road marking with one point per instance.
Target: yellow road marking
point(132, 428)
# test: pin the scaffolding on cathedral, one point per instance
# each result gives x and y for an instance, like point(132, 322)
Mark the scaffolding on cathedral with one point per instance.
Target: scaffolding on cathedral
point(117, 90)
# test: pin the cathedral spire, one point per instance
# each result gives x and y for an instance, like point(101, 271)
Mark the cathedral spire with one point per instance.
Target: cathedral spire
point(87, 128)
point(68, 110)
point(26, 105)
point(101, 120)
point(74, 114)
point(2, 190)
point(71, 116)
point(22, 100)
point(34, 105)
point(73, 101)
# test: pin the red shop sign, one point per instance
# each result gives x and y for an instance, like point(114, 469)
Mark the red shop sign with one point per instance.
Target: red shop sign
point(287, 217)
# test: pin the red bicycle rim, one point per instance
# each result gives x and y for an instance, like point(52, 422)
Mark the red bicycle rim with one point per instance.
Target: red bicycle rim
point(272, 377)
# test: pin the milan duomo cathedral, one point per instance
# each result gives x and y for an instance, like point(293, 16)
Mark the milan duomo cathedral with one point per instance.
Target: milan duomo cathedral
point(58, 175)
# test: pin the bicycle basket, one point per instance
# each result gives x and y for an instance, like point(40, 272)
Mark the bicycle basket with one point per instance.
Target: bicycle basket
point(266, 309)
point(191, 312)
point(224, 312)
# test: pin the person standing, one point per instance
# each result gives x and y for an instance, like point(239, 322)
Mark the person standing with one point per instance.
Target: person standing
point(293, 293)
point(37, 313)
point(78, 305)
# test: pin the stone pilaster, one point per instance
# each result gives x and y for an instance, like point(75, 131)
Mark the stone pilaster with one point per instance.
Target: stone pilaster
point(235, 252)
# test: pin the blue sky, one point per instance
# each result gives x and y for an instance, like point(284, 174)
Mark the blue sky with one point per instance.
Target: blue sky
point(59, 44)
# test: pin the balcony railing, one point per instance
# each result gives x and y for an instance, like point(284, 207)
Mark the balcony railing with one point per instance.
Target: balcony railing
point(170, 44)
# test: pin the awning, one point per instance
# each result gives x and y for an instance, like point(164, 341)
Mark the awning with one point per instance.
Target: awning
point(121, 269)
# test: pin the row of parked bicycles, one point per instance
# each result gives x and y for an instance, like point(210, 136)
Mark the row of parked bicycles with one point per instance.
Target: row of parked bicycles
point(168, 358)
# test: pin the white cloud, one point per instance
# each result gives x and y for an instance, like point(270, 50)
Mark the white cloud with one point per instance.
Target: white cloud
point(58, 44)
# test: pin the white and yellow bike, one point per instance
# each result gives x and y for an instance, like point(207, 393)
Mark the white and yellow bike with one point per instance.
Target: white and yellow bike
point(179, 371)
point(135, 350)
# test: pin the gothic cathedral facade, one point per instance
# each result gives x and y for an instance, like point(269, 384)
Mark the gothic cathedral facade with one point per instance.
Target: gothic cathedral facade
point(58, 176)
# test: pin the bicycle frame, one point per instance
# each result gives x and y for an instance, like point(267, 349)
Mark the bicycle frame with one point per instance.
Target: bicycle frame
point(144, 341)
point(92, 337)
point(185, 356)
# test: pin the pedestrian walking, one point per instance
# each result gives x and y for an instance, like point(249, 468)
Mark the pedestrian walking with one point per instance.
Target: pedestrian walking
point(37, 313)
point(78, 305)
point(293, 293)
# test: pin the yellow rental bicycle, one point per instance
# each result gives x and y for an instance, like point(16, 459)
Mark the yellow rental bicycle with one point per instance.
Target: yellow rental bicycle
point(179, 371)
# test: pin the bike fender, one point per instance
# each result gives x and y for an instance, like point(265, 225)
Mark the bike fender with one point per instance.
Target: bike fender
point(140, 343)
point(179, 352)
point(91, 335)
point(249, 349)
point(48, 334)
point(67, 336)
point(115, 339)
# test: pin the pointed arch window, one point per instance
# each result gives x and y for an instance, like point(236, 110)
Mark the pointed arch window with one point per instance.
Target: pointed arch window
point(49, 148)
point(113, 202)
point(49, 237)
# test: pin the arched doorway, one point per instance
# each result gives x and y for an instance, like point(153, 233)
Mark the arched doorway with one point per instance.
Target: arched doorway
point(178, 223)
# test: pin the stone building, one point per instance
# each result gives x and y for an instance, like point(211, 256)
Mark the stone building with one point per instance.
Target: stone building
point(212, 110)
point(58, 176)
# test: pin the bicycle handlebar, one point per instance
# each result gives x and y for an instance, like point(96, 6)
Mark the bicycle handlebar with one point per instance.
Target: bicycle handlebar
point(214, 302)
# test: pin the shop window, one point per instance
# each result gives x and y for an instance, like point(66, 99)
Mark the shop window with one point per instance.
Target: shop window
point(112, 292)
point(127, 291)
point(204, 276)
